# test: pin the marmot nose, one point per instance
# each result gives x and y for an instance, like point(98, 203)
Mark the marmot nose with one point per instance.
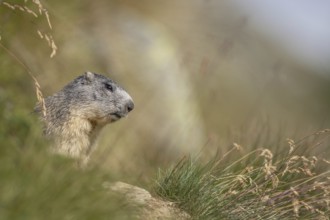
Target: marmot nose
point(130, 106)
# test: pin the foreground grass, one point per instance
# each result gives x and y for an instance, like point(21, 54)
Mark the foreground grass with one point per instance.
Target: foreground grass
point(39, 187)
point(255, 186)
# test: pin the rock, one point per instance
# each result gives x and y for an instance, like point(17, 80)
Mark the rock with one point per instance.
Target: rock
point(148, 207)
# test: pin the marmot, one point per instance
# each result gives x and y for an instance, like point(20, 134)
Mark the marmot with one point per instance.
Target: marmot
point(76, 114)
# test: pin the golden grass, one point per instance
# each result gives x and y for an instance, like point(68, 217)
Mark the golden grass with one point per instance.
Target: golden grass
point(36, 9)
point(255, 186)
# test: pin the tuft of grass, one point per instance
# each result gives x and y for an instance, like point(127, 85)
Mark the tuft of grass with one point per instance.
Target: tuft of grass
point(255, 186)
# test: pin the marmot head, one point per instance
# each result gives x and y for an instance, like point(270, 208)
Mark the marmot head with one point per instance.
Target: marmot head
point(98, 98)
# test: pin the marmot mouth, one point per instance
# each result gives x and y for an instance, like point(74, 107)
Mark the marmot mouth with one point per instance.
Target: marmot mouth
point(117, 115)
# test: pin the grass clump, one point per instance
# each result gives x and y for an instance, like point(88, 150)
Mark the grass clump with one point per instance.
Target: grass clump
point(256, 186)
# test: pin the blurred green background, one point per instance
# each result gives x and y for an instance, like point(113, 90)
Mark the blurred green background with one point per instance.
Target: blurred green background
point(199, 78)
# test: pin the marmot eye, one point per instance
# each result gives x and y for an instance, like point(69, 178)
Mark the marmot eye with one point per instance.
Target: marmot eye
point(109, 87)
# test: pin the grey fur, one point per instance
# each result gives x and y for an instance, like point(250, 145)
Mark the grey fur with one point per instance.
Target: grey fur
point(76, 114)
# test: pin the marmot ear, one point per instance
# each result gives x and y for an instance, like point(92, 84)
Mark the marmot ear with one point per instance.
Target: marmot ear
point(89, 76)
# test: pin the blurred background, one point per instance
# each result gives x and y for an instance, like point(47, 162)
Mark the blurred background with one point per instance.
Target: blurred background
point(203, 73)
